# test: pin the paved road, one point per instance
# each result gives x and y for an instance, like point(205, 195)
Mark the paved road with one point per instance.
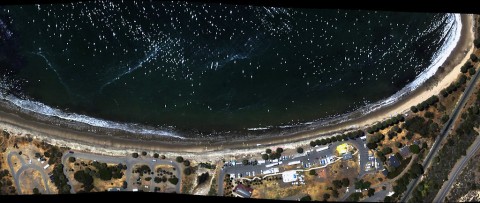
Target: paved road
point(24, 167)
point(377, 197)
point(447, 186)
point(312, 157)
point(129, 162)
point(445, 130)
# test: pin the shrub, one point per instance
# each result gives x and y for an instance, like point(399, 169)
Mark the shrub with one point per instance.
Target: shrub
point(179, 159)
point(414, 109)
point(473, 57)
point(135, 155)
point(429, 114)
point(414, 148)
point(471, 71)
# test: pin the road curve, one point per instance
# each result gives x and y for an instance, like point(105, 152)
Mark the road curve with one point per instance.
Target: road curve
point(129, 162)
point(16, 174)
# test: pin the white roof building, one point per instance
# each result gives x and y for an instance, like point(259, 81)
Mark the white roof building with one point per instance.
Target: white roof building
point(289, 176)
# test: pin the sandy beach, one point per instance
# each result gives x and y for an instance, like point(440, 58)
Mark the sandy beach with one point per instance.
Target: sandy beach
point(102, 141)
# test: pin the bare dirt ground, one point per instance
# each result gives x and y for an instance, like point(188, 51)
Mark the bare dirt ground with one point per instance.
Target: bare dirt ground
point(31, 179)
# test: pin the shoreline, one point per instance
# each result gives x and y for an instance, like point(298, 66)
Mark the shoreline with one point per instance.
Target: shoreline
point(114, 142)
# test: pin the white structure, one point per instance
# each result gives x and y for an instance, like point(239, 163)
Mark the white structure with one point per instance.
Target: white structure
point(261, 162)
point(135, 190)
point(321, 148)
point(46, 166)
point(294, 163)
point(289, 176)
point(299, 155)
point(269, 171)
point(270, 165)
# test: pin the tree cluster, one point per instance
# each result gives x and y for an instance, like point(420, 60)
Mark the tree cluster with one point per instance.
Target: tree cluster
point(85, 178)
point(425, 104)
point(342, 137)
point(108, 172)
point(361, 184)
point(60, 180)
point(418, 125)
point(202, 178)
point(387, 123)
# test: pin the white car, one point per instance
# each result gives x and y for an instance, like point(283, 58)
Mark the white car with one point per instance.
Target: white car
point(253, 172)
point(154, 160)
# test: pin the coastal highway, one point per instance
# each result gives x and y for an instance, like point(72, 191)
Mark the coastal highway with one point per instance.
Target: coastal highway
point(129, 162)
point(447, 186)
point(445, 130)
point(24, 167)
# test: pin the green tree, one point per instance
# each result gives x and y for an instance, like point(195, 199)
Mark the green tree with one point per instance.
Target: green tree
point(306, 198)
point(71, 159)
point(144, 153)
point(414, 148)
point(186, 162)
point(312, 172)
point(444, 118)
point(337, 183)
point(313, 143)
point(471, 71)
point(299, 150)
point(187, 171)
point(156, 155)
point(265, 156)
point(409, 135)
point(157, 180)
point(335, 193)
point(371, 192)
point(179, 159)
point(279, 150)
point(387, 150)
point(326, 196)
point(83, 177)
point(345, 182)
point(417, 169)
point(473, 57)
point(245, 162)
point(371, 145)
point(36, 191)
point(173, 180)
point(444, 93)
point(268, 151)
point(148, 178)
point(163, 157)
point(135, 155)
point(414, 109)
point(429, 114)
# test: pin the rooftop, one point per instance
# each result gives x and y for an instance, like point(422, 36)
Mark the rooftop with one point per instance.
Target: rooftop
point(243, 191)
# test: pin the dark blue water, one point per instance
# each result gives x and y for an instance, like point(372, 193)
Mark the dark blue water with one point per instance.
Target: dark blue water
point(210, 66)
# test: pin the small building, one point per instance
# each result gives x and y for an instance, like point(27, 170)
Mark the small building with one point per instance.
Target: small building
point(289, 176)
point(393, 161)
point(293, 163)
point(347, 156)
point(242, 191)
point(385, 172)
point(405, 151)
point(342, 149)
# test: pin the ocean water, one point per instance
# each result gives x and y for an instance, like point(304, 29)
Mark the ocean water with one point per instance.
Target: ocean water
point(212, 67)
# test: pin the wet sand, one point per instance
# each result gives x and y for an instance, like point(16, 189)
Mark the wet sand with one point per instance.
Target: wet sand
point(106, 141)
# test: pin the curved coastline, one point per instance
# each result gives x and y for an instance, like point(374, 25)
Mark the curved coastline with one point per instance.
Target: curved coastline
point(75, 132)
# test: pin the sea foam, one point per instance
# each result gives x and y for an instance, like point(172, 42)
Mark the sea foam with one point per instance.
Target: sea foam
point(40, 108)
